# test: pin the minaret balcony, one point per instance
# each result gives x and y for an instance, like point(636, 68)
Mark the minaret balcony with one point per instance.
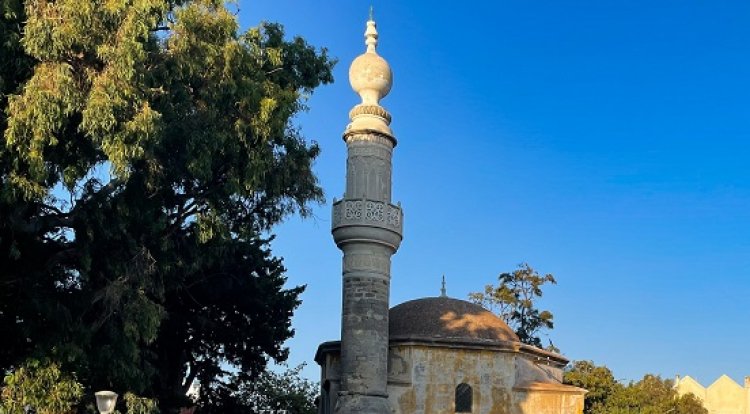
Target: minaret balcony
point(365, 219)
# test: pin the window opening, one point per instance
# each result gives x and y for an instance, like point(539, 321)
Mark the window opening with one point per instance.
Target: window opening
point(464, 398)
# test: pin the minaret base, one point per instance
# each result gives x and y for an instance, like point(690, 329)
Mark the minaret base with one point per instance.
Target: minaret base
point(350, 403)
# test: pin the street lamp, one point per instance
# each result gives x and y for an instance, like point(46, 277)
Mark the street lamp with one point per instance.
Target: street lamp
point(105, 401)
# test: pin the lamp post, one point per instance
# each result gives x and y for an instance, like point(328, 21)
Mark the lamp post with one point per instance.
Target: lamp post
point(105, 401)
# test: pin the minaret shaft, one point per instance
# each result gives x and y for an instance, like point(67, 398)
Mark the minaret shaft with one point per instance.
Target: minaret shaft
point(368, 230)
point(368, 169)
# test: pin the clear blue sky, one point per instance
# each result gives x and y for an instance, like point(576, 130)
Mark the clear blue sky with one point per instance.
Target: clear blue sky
point(604, 142)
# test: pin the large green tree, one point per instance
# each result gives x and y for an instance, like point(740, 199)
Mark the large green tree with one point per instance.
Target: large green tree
point(515, 298)
point(147, 151)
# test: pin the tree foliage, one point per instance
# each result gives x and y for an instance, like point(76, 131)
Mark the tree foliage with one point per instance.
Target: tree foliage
point(597, 380)
point(42, 386)
point(650, 395)
point(514, 300)
point(139, 405)
point(147, 152)
point(285, 390)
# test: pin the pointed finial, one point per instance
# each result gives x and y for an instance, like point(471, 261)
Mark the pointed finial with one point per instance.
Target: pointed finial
point(372, 19)
point(371, 35)
point(442, 289)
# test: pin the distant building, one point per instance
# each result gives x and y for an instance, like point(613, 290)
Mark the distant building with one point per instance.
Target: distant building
point(426, 356)
point(724, 396)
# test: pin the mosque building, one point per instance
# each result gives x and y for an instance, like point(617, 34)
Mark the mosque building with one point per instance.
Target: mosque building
point(434, 355)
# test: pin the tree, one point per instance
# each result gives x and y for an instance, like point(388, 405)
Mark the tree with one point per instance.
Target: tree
point(513, 299)
point(15, 69)
point(650, 395)
point(286, 390)
point(41, 386)
point(147, 153)
point(597, 380)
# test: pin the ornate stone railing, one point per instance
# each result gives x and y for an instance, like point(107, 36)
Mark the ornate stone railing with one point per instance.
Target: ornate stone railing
point(351, 212)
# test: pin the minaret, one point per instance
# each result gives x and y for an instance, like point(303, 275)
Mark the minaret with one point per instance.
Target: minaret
point(368, 229)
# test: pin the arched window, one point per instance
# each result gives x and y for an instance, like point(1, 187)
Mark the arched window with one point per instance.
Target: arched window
point(464, 398)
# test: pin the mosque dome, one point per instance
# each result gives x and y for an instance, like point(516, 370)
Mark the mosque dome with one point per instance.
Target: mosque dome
point(446, 319)
point(370, 75)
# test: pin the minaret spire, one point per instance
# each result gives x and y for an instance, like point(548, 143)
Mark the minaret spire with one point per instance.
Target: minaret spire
point(371, 77)
point(371, 34)
point(442, 289)
point(367, 228)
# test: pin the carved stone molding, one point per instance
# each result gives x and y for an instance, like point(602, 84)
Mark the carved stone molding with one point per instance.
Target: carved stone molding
point(348, 212)
point(376, 110)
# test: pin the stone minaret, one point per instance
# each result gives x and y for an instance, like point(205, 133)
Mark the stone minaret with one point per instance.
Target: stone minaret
point(368, 229)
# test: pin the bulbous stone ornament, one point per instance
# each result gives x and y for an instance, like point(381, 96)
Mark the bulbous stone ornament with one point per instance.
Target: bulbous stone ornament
point(370, 75)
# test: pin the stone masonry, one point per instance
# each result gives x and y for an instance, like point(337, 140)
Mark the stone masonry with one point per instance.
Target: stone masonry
point(368, 229)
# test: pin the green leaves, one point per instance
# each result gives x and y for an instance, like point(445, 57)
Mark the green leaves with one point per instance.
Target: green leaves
point(36, 118)
point(513, 299)
point(597, 380)
point(41, 385)
point(139, 405)
point(650, 395)
point(147, 147)
point(284, 390)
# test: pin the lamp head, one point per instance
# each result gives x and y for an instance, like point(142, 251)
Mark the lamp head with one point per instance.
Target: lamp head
point(105, 401)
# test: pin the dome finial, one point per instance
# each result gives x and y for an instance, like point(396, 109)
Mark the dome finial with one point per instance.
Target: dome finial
point(442, 289)
point(371, 77)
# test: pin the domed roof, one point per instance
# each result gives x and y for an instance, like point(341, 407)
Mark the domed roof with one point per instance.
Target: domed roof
point(443, 319)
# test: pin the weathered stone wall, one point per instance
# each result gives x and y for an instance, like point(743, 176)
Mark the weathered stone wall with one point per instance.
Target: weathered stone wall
point(330, 382)
point(435, 373)
point(548, 402)
point(533, 370)
point(422, 379)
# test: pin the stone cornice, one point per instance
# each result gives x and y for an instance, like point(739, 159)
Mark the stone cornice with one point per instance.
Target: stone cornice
point(535, 354)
